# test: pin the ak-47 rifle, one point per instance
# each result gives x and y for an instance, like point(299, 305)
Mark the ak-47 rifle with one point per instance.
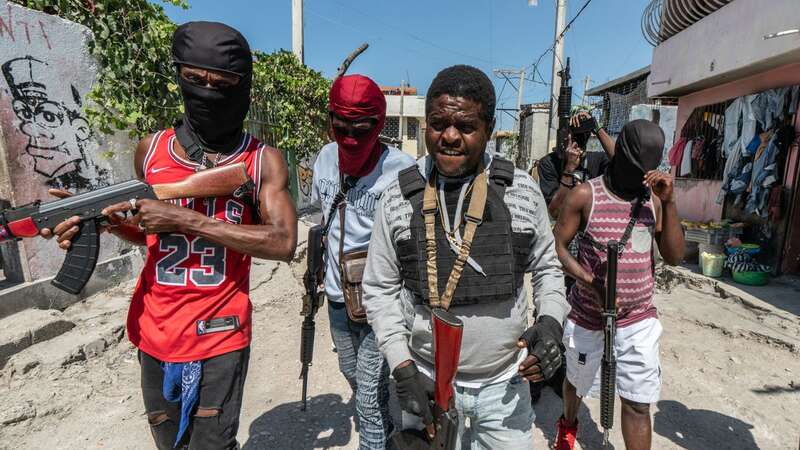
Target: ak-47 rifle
point(447, 332)
point(28, 220)
point(564, 109)
point(608, 374)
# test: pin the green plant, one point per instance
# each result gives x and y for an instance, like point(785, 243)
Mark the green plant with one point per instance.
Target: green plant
point(135, 90)
point(289, 107)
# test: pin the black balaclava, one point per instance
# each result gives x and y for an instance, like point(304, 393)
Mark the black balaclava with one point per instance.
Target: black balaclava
point(214, 116)
point(638, 150)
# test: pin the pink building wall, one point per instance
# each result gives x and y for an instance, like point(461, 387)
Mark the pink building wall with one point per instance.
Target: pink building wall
point(697, 198)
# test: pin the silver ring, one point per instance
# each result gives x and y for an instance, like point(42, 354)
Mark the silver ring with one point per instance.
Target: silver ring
point(133, 203)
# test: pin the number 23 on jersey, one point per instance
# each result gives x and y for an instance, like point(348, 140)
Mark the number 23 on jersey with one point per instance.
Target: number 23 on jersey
point(208, 266)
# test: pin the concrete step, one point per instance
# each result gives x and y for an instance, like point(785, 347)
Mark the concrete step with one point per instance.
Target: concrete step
point(26, 328)
point(86, 341)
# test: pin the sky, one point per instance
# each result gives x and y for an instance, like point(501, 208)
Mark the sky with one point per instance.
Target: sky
point(412, 40)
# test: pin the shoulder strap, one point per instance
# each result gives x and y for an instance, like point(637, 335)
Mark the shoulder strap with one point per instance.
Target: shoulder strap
point(474, 218)
point(341, 210)
point(502, 174)
point(631, 223)
point(626, 235)
point(189, 141)
point(411, 181)
point(502, 170)
point(345, 183)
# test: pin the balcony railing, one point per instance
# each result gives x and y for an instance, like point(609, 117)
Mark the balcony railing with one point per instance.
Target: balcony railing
point(663, 19)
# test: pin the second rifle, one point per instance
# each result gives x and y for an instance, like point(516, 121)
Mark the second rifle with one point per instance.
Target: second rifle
point(608, 374)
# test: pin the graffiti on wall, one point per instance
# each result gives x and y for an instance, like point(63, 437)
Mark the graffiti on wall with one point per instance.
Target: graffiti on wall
point(56, 130)
point(305, 176)
point(305, 179)
point(48, 107)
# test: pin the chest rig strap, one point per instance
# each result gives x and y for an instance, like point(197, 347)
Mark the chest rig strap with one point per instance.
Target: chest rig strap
point(474, 216)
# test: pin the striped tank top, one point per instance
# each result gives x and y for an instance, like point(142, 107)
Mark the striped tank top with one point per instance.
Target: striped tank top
point(608, 219)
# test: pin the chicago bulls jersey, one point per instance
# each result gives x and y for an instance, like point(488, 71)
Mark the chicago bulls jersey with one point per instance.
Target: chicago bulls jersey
point(192, 300)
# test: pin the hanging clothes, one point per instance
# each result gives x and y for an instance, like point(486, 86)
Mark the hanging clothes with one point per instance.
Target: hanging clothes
point(676, 152)
point(765, 171)
point(793, 103)
point(740, 109)
point(686, 160)
point(768, 106)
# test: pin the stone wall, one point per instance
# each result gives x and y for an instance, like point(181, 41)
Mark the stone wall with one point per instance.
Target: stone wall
point(45, 139)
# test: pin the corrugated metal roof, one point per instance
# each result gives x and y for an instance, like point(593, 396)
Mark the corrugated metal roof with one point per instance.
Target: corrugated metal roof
point(599, 90)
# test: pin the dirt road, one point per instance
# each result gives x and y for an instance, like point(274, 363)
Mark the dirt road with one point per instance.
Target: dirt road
point(731, 380)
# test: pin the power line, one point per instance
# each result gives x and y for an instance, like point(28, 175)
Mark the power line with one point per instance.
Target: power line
point(503, 89)
point(552, 47)
point(560, 36)
point(376, 37)
point(413, 36)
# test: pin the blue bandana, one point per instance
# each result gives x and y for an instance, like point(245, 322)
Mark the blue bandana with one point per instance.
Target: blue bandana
point(182, 384)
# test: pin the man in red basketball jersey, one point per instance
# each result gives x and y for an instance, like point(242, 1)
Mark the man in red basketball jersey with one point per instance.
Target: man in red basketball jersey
point(190, 316)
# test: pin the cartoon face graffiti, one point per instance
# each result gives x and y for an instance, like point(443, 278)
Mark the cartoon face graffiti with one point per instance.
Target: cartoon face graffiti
point(56, 130)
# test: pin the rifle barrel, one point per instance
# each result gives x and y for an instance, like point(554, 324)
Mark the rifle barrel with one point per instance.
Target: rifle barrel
point(608, 374)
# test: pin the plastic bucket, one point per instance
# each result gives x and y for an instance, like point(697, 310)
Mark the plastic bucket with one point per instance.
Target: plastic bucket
point(751, 278)
point(712, 264)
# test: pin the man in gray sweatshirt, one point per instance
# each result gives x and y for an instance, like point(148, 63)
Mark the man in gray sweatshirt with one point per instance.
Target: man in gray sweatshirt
point(499, 351)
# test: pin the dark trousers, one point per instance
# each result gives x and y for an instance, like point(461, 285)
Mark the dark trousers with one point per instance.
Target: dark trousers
point(221, 388)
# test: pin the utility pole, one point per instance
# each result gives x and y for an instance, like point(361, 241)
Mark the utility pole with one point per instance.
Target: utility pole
point(555, 81)
point(586, 82)
point(520, 93)
point(402, 119)
point(297, 29)
point(505, 73)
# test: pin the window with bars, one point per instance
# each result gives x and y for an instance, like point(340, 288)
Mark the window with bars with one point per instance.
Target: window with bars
point(391, 128)
point(705, 130)
point(412, 128)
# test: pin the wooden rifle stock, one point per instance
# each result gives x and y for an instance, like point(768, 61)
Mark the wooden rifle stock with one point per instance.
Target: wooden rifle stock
point(350, 58)
point(447, 332)
point(217, 181)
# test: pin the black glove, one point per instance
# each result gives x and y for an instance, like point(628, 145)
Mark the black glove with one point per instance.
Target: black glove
point(544, 342)
point(414, 392)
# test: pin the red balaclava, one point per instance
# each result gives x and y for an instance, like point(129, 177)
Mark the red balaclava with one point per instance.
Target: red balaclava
point(354, 97)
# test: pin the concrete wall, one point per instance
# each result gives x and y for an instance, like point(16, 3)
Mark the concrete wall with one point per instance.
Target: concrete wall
point(666, 117)
point(413, 105)
point(45, 139)
point(696, 199)
point(726, 45)
point(539, 122)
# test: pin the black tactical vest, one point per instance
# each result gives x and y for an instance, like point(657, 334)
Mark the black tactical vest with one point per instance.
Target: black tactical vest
point(501, 253)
